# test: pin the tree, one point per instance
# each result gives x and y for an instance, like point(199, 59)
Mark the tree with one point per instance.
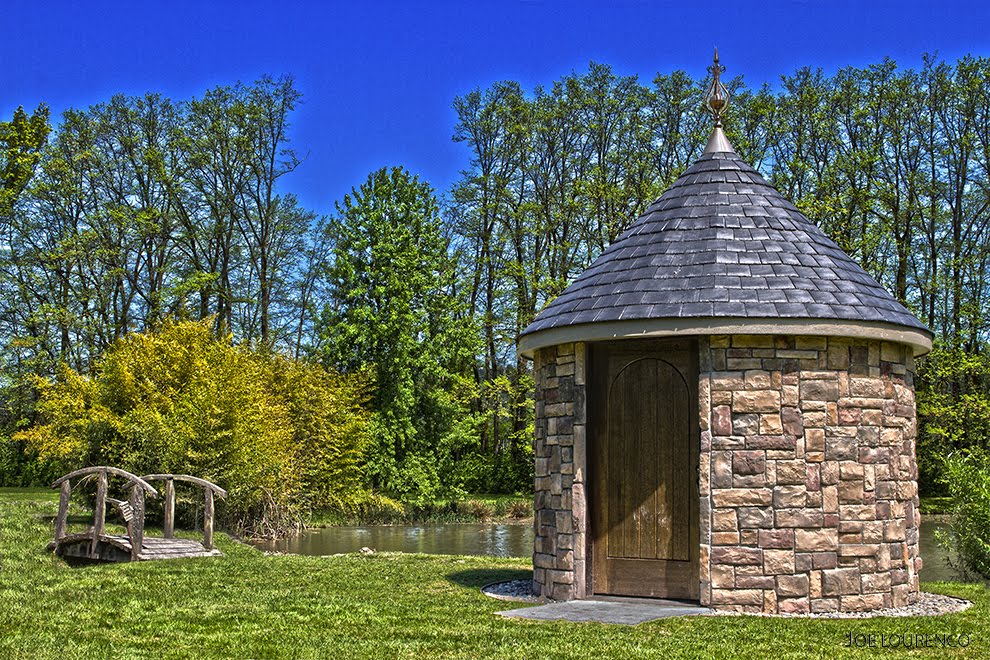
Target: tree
point(270, 225)
point(21, 142)
point(397, 307)
point(494, 125)
point(140, 210)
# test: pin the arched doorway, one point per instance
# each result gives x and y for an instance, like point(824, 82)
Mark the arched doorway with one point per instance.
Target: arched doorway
point(644, 487)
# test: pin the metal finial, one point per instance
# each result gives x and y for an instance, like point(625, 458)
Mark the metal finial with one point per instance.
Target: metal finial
point(718, 96)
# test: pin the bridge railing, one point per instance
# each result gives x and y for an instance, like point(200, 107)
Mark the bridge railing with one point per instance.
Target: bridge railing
point(133, 509)
point(209, 490)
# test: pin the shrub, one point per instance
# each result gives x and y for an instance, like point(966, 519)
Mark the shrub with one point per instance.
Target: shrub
point(477, 509)
point(280, 436)
point(966, 474)
point(953, 389)
point(18, 470)
point(519, 509)
point(11, 463)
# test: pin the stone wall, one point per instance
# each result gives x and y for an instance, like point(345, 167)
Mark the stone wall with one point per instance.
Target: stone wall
point(808, 468)
point(808, 479)
point(559, 523)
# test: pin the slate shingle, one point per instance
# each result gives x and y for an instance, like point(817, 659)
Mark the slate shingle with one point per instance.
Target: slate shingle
point(721, 242)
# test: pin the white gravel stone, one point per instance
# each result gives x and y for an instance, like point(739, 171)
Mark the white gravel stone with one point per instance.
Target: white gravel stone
point(926, 605)
point(520, 591)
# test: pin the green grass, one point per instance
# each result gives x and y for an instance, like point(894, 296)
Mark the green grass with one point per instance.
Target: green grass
point(42, 494)
point(247, 604)
point(502, 503)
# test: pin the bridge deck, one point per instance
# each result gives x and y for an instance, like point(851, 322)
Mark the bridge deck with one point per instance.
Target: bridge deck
point(115, 547)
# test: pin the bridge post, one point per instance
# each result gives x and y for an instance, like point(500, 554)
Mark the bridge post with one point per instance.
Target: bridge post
point(208, 520)
point(135, 529)
point(168, 530)
point(99, 511)
point(63, 510)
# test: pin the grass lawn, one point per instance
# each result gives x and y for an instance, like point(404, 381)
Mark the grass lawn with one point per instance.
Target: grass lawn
point(247, 604)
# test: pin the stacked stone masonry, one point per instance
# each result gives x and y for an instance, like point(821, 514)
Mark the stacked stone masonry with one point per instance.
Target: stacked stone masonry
point(559, 522)
point(808, 463)
point(807, 475)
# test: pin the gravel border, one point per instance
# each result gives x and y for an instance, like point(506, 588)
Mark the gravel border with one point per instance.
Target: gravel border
point(927, 605)
point(518, 591)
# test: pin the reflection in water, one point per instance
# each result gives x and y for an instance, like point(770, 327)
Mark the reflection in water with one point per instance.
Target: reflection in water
point(498, 540)
point(935, 565)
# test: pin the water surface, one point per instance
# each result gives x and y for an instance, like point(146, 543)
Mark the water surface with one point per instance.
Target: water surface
point(498, 540)
point(493, 539)
point(935, 566)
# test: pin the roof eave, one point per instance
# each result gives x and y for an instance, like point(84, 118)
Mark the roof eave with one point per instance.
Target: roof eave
point(919, 340)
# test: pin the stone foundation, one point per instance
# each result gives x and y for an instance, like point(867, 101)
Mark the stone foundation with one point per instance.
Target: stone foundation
point(808, 479)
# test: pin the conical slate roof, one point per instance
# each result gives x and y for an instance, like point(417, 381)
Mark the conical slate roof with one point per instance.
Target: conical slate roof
point(721, 243)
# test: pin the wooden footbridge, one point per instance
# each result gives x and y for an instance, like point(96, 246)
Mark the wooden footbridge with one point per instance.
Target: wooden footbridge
point(96, 544)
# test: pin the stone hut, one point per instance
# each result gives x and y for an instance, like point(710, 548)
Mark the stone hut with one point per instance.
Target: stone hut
point(725, 410)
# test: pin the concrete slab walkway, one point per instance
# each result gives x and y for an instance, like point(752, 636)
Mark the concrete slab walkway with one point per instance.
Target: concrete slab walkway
point(607, 609)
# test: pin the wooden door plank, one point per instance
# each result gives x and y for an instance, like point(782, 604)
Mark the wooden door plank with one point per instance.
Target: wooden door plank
point(599, 465)
point(662, 464)
point(625, 437)
point(615, 480)
point(647, 393)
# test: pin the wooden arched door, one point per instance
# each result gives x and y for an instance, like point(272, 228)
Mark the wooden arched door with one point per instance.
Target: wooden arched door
point(643, 471)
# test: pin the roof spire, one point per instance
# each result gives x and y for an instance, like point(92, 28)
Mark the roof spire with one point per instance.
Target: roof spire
point(715, 101)
point(718, 96)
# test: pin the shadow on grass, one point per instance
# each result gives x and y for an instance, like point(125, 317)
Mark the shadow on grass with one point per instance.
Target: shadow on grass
point(479, 577)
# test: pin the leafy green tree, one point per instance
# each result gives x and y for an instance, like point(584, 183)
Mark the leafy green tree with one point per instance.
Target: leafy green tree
point(270, 225)
point(21, 142)
point(500, 240)
point(397, 307)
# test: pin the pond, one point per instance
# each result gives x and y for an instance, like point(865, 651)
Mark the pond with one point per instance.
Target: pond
point(936, 565)
point(495, 539)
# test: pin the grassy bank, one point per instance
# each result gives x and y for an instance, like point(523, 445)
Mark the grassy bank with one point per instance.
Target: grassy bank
point(247, 604)
point(473, 508)
point(934, 505)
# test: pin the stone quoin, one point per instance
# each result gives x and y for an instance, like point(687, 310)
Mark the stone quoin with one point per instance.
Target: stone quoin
point(725, 410)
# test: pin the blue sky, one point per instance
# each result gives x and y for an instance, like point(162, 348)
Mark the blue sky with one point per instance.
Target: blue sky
point(378, 78)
